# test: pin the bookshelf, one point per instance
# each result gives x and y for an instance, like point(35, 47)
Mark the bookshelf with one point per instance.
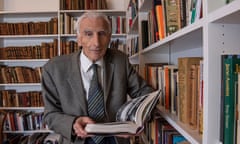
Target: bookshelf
point(26, 11)
point(216, 33)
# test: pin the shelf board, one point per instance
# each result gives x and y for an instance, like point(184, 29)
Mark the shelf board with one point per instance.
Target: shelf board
point(134, 56)
point(28, 36)
point(22, 14)
point(21, 84)
point(24, 60)
point(107, 12)
point(191, 135)
point(192, 28)
point(68, 35)
point(21, 108)
point(119, 35)
point(134, 59)
point(75, 35)
point(228, 14)
point(29, 131)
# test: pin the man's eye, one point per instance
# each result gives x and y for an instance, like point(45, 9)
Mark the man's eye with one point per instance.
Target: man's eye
point(102, 33)
point(88, 33)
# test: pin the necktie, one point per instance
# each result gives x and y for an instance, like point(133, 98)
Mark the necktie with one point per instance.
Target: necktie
point(96, 101)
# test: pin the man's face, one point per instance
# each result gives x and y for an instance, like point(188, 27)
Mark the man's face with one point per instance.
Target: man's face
point(94, 37)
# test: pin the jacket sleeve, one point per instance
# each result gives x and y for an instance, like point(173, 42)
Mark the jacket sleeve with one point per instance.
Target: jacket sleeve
point(137, 86)
point(54, 117)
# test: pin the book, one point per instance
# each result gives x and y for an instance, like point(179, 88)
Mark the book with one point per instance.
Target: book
point(228, 1)
point(145, 36)
point(238, 110)
point(159, 10)
point(200, 98)
point(130, 118)
point(194, 95)
point(170, 85)
point(177, 138)
point(230, 68)
point(184, 86)
point(195, 10)
point(172, 16)
point(2, 119)
point(183, 13)
point(153, 18)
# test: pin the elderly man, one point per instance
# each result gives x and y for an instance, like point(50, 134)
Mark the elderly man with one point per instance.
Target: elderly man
point(66, 84)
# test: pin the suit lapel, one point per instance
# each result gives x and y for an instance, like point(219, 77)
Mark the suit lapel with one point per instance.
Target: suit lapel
point(108, 74)
point(75, 80)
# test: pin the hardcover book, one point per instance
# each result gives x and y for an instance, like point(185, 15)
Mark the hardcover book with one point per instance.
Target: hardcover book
point(230, 68)
point(238, 110)
point(130, 118)
point(184, 84)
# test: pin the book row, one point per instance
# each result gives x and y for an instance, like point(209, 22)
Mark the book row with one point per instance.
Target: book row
point(182, 89)
point(47, 50)
point(82, 4)
point(67, 24)
point(159, 131)
point(183, 96)
point(132, 45)
point(19, 74)
point(12, 98)
point(23, 120)
point(166, 18)
point(30, 28)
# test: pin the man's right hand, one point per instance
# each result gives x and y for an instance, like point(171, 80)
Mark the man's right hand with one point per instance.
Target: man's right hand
point(79, 126)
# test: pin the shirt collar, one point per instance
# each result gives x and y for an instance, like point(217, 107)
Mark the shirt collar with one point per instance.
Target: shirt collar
point(86, 62)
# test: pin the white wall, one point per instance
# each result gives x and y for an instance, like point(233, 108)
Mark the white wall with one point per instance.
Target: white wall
point(117, 4)
point(29, 5)
point(50, 5)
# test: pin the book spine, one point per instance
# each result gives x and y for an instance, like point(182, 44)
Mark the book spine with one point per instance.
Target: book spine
point(231, 64)
point(160, 19)
point(184, 67)
point(238, 110)
point(200, 98)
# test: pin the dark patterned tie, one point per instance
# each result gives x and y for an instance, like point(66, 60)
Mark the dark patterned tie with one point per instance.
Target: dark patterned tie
point(96, 102)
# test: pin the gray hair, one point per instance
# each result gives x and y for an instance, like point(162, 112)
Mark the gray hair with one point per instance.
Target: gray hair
point(92, 15)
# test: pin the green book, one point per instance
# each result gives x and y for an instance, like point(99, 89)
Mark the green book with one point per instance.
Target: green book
point(228, 1)
point(231, 66)
point(193, 11)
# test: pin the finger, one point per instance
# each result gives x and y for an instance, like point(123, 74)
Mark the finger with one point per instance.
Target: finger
point(79, 131)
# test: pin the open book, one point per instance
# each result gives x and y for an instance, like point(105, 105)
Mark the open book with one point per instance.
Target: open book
point(130, 118)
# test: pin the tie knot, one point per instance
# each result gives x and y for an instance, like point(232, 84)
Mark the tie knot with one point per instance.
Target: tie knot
point(94, 67)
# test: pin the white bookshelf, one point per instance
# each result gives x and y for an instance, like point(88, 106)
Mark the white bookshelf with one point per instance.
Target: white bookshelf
point(216, 33)
point(15, 11)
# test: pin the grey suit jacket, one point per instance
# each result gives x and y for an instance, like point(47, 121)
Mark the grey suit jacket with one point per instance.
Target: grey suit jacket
point(65, 98)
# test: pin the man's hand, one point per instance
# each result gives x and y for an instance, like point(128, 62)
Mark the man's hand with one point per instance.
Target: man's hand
point(80, 124)
point(130, 135)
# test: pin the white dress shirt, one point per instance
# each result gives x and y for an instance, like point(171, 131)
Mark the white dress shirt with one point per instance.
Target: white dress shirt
point(87, 72)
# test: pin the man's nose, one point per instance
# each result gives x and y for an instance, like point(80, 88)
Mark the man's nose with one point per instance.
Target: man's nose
point(96, 39)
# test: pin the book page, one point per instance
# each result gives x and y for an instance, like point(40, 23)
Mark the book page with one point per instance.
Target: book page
point(127, 111)
point(137, 109)
point(146, 107)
